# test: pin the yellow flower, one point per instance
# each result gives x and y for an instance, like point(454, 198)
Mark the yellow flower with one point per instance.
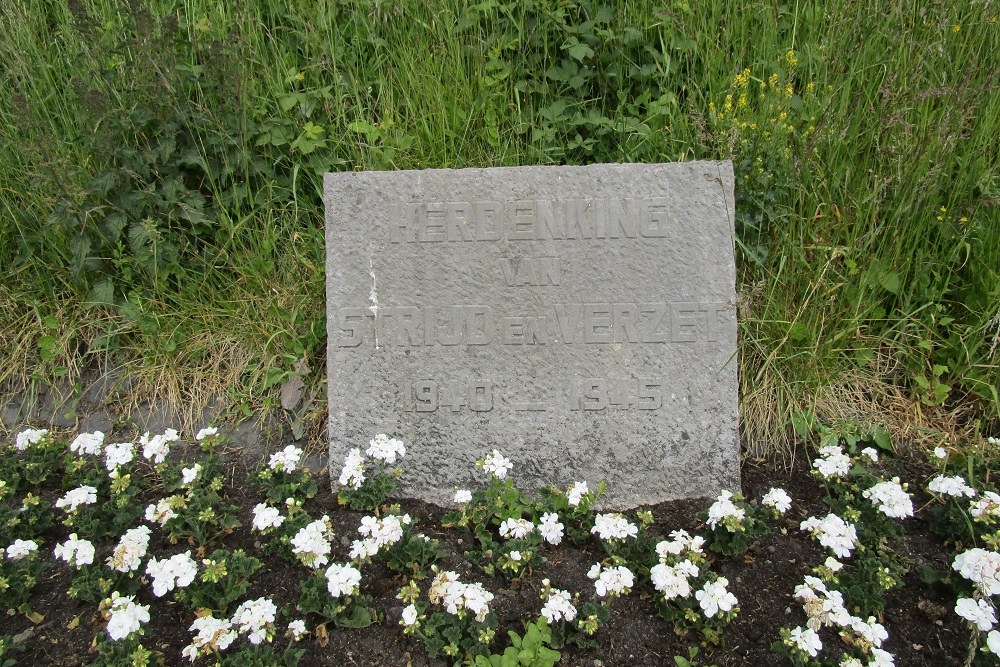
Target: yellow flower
point(788, 90)
point(810, 86)
point(944, 209)
point(956, 28)
point(773, 80)
point(963, 220)
point(742, 102)
point(742, 79)
point(783, 116)
point(790, 57)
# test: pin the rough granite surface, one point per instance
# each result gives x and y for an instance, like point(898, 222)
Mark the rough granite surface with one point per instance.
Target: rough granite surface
point(581, 320)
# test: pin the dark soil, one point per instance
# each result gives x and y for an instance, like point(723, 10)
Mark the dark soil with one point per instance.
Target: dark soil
point(923, 629)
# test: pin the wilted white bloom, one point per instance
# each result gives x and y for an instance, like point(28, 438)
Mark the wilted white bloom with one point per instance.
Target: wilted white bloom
point(806, 641)
point(84, 495)
point(576, 493)
point(497, 465)
point(613, 581)
point(940, 452)
point(177, 571)
point(890, 498)
point(28, 437)
point(161, 511)
point(833, 462)
point(870, 453)
point(87, 443)
point(881, 658)
point(981, 567)
point(987, 505)
point(680, 540)
point(312, 542)
point(156, 448)
point(613, 527)
point(75, 551)
point(463, 496)
point(515, 528)
point(126, 616)
point(723, 508)
point(978, 612)
point(833, 533)
point(265, 517)
point(19, 549)
point(778, 499)
point(672, 580)
point(550, 528)
point(206, 432)
point(384, 448)
point(951, 486)
point(212, 634)
point(256, 619)
point(353, 472)
point(559, 606)
point(409, 615)
point(821, 605)
point(131, 548)
point(118, 454)
point(871, 632)
point(713, 597)
point(286, 460)
point(188, 475)
point(297, 629)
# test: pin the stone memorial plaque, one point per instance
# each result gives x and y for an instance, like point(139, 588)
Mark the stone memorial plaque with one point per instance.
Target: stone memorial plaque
point(581, 320)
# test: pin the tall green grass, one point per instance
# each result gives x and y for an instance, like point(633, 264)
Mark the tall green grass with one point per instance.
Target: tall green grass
point(865, 148)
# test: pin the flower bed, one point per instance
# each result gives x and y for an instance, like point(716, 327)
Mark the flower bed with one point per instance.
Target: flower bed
point(125, 553)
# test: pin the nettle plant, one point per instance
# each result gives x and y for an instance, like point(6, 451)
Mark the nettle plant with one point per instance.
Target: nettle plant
point(367, 482)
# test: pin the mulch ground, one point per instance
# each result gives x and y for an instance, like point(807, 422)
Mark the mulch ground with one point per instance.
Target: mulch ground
point(923, 629)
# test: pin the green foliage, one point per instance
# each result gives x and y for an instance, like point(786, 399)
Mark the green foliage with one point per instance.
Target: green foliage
point(413, 555)
point(94, 583)
point(202, 514)
point(224, 578)
point(577, 519)
point(25, 522)
point(531, 650)
point(262, 656)
point(352, 611)
point(280, 485)
point(18, 579)
point(7, 651)
point(128, 652)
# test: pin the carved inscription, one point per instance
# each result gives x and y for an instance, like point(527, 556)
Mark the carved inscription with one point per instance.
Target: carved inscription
point(530, 220)
point(566, 324)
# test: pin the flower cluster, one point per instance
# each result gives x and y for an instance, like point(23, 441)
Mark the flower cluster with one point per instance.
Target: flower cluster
point(178, 571)
point(87, 444)
point(726, 512)
point(286, 460)
point(778, 500)
point(386, 449)
point(558, 604)
point(342, 580)
point(833, 533)
point(515, 529)
point(30, 437)
point(155, 448)
point(378, 534)
point(73, 499)
point(118, 454)
point(75, 551)
point(890, 498)
point(614, 527)
point(266, 517)
point(496, 464)
point(459, 598)
point(124, 616)
point(611, 581)
point(951, 486)
point(312, 543)
point(128, 555)
point(714, 597)
point(832, 462)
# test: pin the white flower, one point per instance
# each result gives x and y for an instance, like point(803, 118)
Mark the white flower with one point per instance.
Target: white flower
point(576, 493)
point(778, 499)
point(951, 486)
point(19, 549)
point(993, 642)
point(497, 465)
point(28, 437)
point(162, 511)
point(833, 462)
point(256, 619)
point(206, 432)
point(614, 581)
point(822, 606)
point(724, 508)
point(679, 541)
point(613, 527)
point(672, 580)
point(833, 564)
point(131, 548)
point(806, 641)
point(213, 634)
point(384, 448)
point(595, 571)
point(265, 517)
point(988, 504)
point(188, 475)
point(362, 550)
point(118, 454)
point(515, 556)
point(87, 443)
point(981, 567)
point(286, 460)
point(515, 528)
point(881, 658)
point(559, 606)
point(463, 496)
point(353, 472)
point(297, 629)
point(312, 542)
point(940, 452)
point(833, 533)
point(978, 612)
point(84, 495)
point(126, 616)
point(409, 615)
point(713, 597)
point(890, 498)
point(75, 551)
point(870, 453)
point(342, 580)
point(871, 632)
point(550, 528)
point(157, 447)
point(177, 571)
